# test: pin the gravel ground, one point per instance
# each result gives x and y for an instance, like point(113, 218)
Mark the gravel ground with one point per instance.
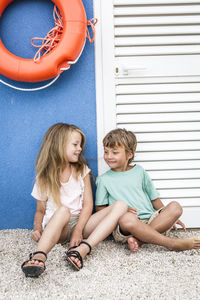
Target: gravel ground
point(109, 272)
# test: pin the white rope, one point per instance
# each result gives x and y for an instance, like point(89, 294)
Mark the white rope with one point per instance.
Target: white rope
point(73, 62)
point(30, 90)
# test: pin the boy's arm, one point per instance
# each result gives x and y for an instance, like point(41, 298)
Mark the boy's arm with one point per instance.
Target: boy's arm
point(133, 210)
point(101, 197)
point(98, 208)
point(157, 204)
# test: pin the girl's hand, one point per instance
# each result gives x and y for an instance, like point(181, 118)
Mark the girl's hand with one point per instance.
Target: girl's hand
point(133, 210)
point(36, 235)
point(181, 224)
point(76, 237)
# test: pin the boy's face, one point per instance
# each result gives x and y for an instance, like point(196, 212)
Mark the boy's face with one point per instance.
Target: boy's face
point(117, 158)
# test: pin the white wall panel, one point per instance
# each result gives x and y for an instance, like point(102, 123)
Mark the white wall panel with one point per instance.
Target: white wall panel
point(164, 117)
point(167, 146)
point(156, 10)
point(157, 30)
point(167, 155)
point(174, 174)
point(162, 127)
point(153, 2)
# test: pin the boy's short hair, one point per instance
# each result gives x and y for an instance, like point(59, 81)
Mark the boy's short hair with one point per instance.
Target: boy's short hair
point(121, 138)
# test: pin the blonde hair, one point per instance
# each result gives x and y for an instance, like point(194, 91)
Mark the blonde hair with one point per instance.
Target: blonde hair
point(121, 138)
point(51, 161)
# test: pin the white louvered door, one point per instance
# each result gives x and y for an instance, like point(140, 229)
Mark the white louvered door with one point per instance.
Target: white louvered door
point(151, 84)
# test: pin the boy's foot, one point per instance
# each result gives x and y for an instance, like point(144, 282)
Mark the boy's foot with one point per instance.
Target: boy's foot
point(133, 244)
point(35, 266)
point(75, 257)
point(186, 244)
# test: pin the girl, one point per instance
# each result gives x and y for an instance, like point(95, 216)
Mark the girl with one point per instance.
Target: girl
point(64, 201)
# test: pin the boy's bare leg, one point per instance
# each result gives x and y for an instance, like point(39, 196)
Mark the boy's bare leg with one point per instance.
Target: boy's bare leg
point(124, 222)
point(55, 231)
point(99, 226)
point(163, 222)
point(167, 217)
point(130, 224)
point(133, 244)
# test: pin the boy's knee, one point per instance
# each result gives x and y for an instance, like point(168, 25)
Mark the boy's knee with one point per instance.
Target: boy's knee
point(176, 208)
point(128, 221)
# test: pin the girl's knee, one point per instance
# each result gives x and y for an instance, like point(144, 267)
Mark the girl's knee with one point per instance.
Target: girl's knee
point(121, 205)
point(63, 212)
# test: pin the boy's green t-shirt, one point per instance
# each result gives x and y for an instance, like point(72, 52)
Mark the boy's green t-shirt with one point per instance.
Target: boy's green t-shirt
point(133, 187)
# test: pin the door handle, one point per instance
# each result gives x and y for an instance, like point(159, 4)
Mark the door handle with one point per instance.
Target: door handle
point(122, 70)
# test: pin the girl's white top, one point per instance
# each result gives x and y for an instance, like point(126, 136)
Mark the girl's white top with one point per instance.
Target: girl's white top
point(71, 196)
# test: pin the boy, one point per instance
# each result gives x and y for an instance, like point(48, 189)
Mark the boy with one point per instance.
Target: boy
point(146, 218)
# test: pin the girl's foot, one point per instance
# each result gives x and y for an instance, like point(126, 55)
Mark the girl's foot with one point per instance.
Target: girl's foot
point(186, 244)
point(75, 257)
point(35, 266)
point(37, 260)
point(133, 244)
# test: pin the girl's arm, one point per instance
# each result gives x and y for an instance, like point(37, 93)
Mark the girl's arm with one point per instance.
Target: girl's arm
point(77, 234)
point(39, 215)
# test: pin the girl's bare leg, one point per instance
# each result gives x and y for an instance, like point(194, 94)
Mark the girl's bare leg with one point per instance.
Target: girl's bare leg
point(55, 231)
point(99, 226)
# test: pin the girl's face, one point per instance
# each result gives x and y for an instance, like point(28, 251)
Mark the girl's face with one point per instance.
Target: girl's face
point(73, 147)
point(117, 158)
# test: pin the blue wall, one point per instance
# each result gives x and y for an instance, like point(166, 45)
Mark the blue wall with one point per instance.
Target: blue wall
point(25, 116)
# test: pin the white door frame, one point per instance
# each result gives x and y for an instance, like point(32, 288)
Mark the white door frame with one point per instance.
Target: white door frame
point(104, 64)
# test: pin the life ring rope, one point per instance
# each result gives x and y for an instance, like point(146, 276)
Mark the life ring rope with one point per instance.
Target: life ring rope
point(52, 38)
point(91, 23)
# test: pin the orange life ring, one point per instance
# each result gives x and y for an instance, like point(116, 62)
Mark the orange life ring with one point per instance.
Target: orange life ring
point(66, 52)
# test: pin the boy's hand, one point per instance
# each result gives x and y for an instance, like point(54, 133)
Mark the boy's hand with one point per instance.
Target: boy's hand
point(181, 224)
point(76, 237)
point(36, 235)
point(133, 210)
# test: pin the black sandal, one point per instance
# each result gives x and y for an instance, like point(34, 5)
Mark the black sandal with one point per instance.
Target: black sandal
point(33, 270)
point(90, 248)
point(76, 254)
